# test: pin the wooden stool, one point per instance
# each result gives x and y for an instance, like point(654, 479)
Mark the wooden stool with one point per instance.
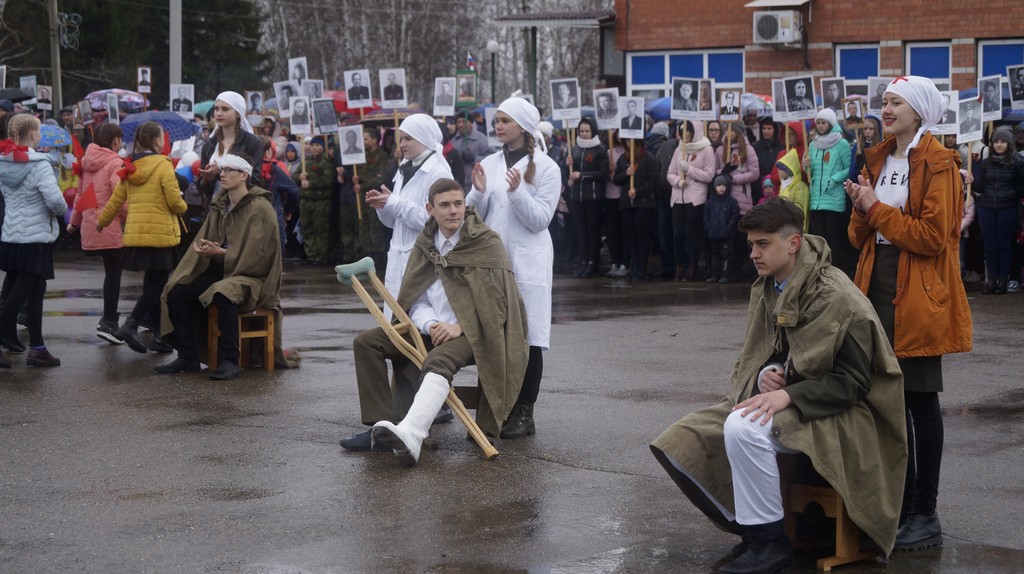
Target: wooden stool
point(257, 324)
point(801, 486)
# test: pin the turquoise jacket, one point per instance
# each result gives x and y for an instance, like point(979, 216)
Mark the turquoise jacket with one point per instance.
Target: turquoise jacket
point(829, 169)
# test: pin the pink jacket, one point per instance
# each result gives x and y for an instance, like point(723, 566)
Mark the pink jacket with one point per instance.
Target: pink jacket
point(99, 169)
point(742, 177)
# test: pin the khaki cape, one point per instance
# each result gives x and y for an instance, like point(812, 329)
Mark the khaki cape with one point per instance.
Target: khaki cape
point(861, 452)
point(478, 280)
point(252, 264)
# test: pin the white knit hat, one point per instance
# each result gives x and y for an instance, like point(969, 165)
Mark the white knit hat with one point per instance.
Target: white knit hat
point(829, 115)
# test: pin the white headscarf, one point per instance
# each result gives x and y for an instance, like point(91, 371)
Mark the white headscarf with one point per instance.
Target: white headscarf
point(425, 130)
point(924, 97)
point(526, 115)
point(233, 161)
point(237, 102)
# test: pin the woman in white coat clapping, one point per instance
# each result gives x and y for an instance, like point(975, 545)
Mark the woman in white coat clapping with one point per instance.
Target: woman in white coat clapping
point(516, 191)
point(404, 209)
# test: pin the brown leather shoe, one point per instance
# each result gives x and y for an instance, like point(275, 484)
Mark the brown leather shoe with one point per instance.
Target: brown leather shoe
point(41, 359)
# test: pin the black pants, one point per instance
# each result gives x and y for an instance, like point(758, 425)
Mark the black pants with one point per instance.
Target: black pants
point(21, 287)
point(832, 225)
point(925, 436)
point(153, 283)
point(531, 380)
point(637, 223)
point(111, 282)
point(183, 300)
point(720, 255)
point(587, 226)
point(613, 231)
point(687, 234)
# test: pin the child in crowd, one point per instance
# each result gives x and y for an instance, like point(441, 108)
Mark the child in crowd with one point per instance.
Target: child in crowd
point(316, 184)
point(721, 215)
point(792, 186)
point(768, 189)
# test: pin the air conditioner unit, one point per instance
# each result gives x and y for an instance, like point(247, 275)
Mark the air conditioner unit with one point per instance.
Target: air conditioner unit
point(781, 27)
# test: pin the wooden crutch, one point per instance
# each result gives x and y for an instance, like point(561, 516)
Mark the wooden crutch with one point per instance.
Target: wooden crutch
point(405, 336)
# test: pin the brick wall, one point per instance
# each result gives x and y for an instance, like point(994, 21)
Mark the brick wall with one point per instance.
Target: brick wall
point(658, 25)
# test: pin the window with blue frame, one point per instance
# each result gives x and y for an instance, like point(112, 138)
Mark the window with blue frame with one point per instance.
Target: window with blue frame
point(650, 74)
point(857, 63)
point(932, 60)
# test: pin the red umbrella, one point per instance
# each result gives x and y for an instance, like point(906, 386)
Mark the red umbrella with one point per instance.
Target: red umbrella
point(341, 103)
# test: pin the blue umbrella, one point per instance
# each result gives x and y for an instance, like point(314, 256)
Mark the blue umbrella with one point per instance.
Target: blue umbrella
point(660, 109)
point(176, 126)
point(54, 136)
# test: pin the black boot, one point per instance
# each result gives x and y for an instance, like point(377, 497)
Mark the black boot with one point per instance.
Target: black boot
point(1000, 286)
point(919, 532)
point(769, 551)
point(725, 272)
point(590, 269)
point(519, 422)
point(158, 345)
point(129, 333)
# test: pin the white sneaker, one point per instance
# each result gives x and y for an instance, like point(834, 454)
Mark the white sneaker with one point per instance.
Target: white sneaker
point(1013, 287)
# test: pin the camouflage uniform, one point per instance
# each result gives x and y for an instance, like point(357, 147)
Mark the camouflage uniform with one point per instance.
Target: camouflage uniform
point(315, 207)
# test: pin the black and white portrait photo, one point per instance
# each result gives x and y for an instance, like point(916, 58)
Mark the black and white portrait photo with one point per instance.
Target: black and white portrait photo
point(606, 108)
point(357, 88)
point(144, 74)
point(800, 97)
point(85, 110)
point(466, 82)
point(876, 89)
point(326, 119)
point(729, 105)
point(254, 103)
point(353, 150)
point(113, 109)
point(284, 92)
point(392, 88)
point(565, 98)
point(44, 97)
point(28, 85)
point(312, 89)
point(969, 115)
point(684, 98)
point(853, 113)
point(444, 97)
point(492, 136)
point(299, 115)
point(947, 123)
point(991, 98)
point(1016, 76)
point(182, 100)
point(779, 113)
point(297, 69)
point(833, 90)
point(631, 118)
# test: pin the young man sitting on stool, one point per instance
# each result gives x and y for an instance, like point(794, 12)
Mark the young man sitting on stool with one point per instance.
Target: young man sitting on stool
point(234, 263)
point(816, 376)
point(460, 292)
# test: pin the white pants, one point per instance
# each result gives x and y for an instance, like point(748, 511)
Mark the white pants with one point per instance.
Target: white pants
point(755, 471)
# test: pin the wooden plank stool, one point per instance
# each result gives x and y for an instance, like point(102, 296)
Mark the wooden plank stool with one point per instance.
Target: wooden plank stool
point(406, 337)
point(257, 324)
point(801, 486)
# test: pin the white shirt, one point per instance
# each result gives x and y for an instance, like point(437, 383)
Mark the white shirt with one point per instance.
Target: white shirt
point(892, 188)
point(433, 306)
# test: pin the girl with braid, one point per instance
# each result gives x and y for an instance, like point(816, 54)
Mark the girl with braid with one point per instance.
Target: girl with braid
point(516, 191)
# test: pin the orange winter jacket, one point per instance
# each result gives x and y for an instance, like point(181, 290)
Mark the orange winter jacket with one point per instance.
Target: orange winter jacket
point(932, 315)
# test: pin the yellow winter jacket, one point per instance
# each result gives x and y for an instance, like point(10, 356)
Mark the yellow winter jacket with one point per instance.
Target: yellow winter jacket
point(797, 191)
point(154, 203)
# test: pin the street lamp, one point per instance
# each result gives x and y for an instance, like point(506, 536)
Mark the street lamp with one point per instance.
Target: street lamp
point(493, 46)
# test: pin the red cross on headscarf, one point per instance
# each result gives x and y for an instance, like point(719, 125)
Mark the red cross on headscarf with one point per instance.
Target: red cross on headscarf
point(904, 78)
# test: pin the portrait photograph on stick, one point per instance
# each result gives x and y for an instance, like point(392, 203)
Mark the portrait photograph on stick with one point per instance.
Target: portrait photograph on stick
point(357, 88)
point(833, 91)
point(284, 92)
point(565, 98)
point(800, 98)
point(684, 99)
point(299, 115)
point(113, 113)
point(853, 112)
point(182, 100)
point(392, 88)
point(353, 151)
point(492, 136)
point(606, 108)
point(466, 80)
point(444, 97)
point(876, 89)
point(85, 110)
point(729, 105)
point(631, 118)
point(1016, 76)
point(707, 108)
point(253, 103)
point(28, 85)
point(297, 69)
point(990, 90)
point(326, 119)
point(144, 73)
point(312, 89)
point(779, 112)
point(44, 99)
point(969, 121)
point(947, 124)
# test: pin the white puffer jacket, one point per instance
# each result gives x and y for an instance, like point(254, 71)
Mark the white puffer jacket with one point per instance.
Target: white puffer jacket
point(34, 202)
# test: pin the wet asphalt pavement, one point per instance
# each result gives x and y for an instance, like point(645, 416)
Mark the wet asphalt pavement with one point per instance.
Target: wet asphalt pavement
point(106, 466)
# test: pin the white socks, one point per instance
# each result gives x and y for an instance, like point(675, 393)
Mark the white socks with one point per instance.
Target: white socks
point(407, 437)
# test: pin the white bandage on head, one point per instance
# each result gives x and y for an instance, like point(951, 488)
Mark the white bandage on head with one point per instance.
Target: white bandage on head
point(924, 97)
point(423, 129)
point(233, 161)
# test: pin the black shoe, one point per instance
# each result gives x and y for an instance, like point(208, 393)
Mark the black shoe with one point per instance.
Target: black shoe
point(738, 550)
point(107, 330)
point(590, 270)
point(179, 365)
point(445, 415)
point(762, 558)
point(697, 496)
point(1000, 286)
point(226, 372)
point(12, 344)
point(919, 532)
point(989, 288)
point(362, 443)
point(129, 333)
point(4, 363)
point(158, 345)
point(41, 359)
point(711, 279)
point(519, 422)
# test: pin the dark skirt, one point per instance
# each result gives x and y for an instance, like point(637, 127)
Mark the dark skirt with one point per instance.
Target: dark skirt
point(28, 257)
point(150, 258)
point(920, 374)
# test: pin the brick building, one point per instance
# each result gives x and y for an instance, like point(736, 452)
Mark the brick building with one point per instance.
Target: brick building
point(951, 41)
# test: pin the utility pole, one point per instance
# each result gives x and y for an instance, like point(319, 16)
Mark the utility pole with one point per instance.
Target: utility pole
point(175, 42)
point(57, 96)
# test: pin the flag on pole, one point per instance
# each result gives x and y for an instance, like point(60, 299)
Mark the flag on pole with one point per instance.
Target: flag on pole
point(470, 62)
